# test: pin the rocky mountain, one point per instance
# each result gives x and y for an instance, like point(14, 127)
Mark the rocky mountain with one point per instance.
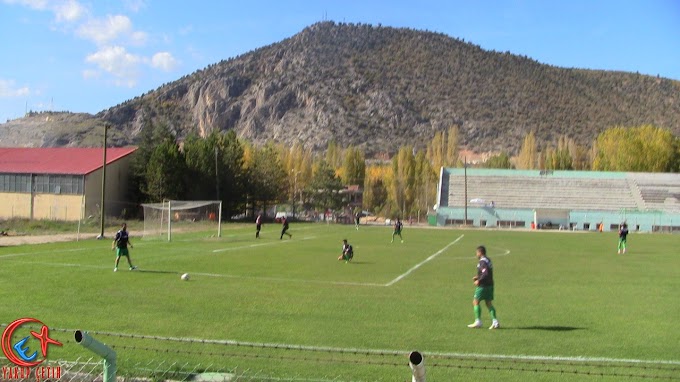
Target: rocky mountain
point(380, 87)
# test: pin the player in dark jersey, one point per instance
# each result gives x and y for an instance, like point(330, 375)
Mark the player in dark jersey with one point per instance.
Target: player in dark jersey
point(284, 228)
point(347, 251)
point(484, 291)
point(397, 230)
point(623, 233)
point(357, 219)
point(120, 244)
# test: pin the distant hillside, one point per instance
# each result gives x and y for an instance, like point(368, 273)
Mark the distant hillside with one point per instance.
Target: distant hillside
point(381, 87)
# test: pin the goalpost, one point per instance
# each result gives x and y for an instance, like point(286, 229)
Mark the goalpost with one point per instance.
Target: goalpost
point(161, 219)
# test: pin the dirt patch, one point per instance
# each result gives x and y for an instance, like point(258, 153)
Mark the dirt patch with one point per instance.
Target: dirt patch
point(8, 241)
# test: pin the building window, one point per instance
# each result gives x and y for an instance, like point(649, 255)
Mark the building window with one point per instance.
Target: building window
point(15, 183)
point(43, 184)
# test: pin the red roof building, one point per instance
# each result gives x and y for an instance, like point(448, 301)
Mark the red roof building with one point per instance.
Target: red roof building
point(62, 160)
point(62, 183)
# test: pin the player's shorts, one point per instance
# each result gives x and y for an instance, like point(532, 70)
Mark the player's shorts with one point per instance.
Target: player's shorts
point(484, 293)
point(258, 226)
point(122, 252)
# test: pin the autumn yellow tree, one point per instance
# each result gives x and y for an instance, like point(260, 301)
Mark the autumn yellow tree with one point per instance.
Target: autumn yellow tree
point(528, 154)
point(645, 148)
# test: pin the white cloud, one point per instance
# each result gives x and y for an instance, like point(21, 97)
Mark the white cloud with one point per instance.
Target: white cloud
point(91, 74)
point(102, 31)
point(124, 66)
point(163, 61)
point(134, 5)
point(34, 4)
point(69, 11)
point(8, 89)
point(64, 10)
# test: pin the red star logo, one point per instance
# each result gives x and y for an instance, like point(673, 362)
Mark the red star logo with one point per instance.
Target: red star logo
point(45, 339)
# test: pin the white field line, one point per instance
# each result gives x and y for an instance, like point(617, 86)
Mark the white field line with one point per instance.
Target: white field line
point(472, 257)
point(282, 279)
point(400, 277)
point(259, 245)
point(330, 349)
point(61, 251)
point(249, 233)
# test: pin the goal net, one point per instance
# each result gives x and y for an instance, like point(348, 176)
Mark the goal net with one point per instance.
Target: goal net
point(163, 219)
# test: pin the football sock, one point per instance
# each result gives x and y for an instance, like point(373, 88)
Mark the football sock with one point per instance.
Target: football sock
point(492, 311)
point(478, 312)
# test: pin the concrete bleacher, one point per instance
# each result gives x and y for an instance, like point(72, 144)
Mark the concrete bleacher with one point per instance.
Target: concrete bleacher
point(581, 200)
point(524, 190)
point(658, 191)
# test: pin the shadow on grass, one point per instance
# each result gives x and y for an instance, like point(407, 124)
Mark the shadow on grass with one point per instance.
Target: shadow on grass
point(549, 328)
point(360, 262)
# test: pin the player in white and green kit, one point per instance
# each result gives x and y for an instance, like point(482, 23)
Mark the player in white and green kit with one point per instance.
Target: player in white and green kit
point(484, 291)
point(623, 234)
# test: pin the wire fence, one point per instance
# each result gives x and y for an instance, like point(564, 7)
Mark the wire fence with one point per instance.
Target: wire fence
point(155, 358)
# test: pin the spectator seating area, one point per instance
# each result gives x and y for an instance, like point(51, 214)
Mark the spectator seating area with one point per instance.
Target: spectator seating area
point(572, 190)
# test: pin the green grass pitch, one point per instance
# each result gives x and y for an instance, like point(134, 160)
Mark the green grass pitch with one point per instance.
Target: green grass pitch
point(569, 306)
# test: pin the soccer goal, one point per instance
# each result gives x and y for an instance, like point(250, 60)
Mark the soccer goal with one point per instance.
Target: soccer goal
point(162, 219)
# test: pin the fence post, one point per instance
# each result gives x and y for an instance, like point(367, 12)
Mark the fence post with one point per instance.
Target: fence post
point(108, 354)
point(417, 364)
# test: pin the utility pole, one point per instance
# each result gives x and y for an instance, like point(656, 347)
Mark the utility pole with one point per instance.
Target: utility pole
point(103, 211)
point(217, 179)
point(465, 193)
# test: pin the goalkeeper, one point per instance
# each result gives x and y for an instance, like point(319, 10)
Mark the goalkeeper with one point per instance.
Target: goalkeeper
point(347, 251)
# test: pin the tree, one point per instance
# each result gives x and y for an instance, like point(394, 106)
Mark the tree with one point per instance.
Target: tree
point(354, 166)
point(645, 149)
point(528, 154)
point(267, 178)
point(403, 181)
point(443, 148)
point(150, 137)
point(501, 161)
point(215, 166)
point(324, 187)
point(165, 173)
point(375, 187)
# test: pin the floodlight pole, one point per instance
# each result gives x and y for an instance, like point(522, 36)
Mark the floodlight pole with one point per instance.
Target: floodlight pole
point(219, 221)
point(169, 220)
point(101, 232)
point(217, 178)
point(465, 193)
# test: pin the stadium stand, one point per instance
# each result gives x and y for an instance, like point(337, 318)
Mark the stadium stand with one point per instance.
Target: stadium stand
point(582, 199)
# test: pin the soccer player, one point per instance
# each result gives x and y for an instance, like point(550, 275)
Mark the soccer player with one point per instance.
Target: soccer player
point(120, 243)
point(484, 290)
point(397, 230)
point(258, 225)
point(284, 228)
point(623, 233)
point(347, 251)
point(357, 217)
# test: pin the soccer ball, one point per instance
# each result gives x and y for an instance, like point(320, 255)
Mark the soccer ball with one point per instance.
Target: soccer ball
point(185, 277)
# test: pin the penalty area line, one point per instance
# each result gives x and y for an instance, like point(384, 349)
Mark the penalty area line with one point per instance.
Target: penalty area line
point(400, 277)
point(258, 245)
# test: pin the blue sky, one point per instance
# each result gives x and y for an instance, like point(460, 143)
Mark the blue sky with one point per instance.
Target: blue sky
point(85, 56)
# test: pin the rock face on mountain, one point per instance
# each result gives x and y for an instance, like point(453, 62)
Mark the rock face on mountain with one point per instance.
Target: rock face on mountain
point(379, 88)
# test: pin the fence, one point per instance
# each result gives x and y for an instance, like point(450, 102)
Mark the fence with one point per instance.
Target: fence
point(155, 358)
